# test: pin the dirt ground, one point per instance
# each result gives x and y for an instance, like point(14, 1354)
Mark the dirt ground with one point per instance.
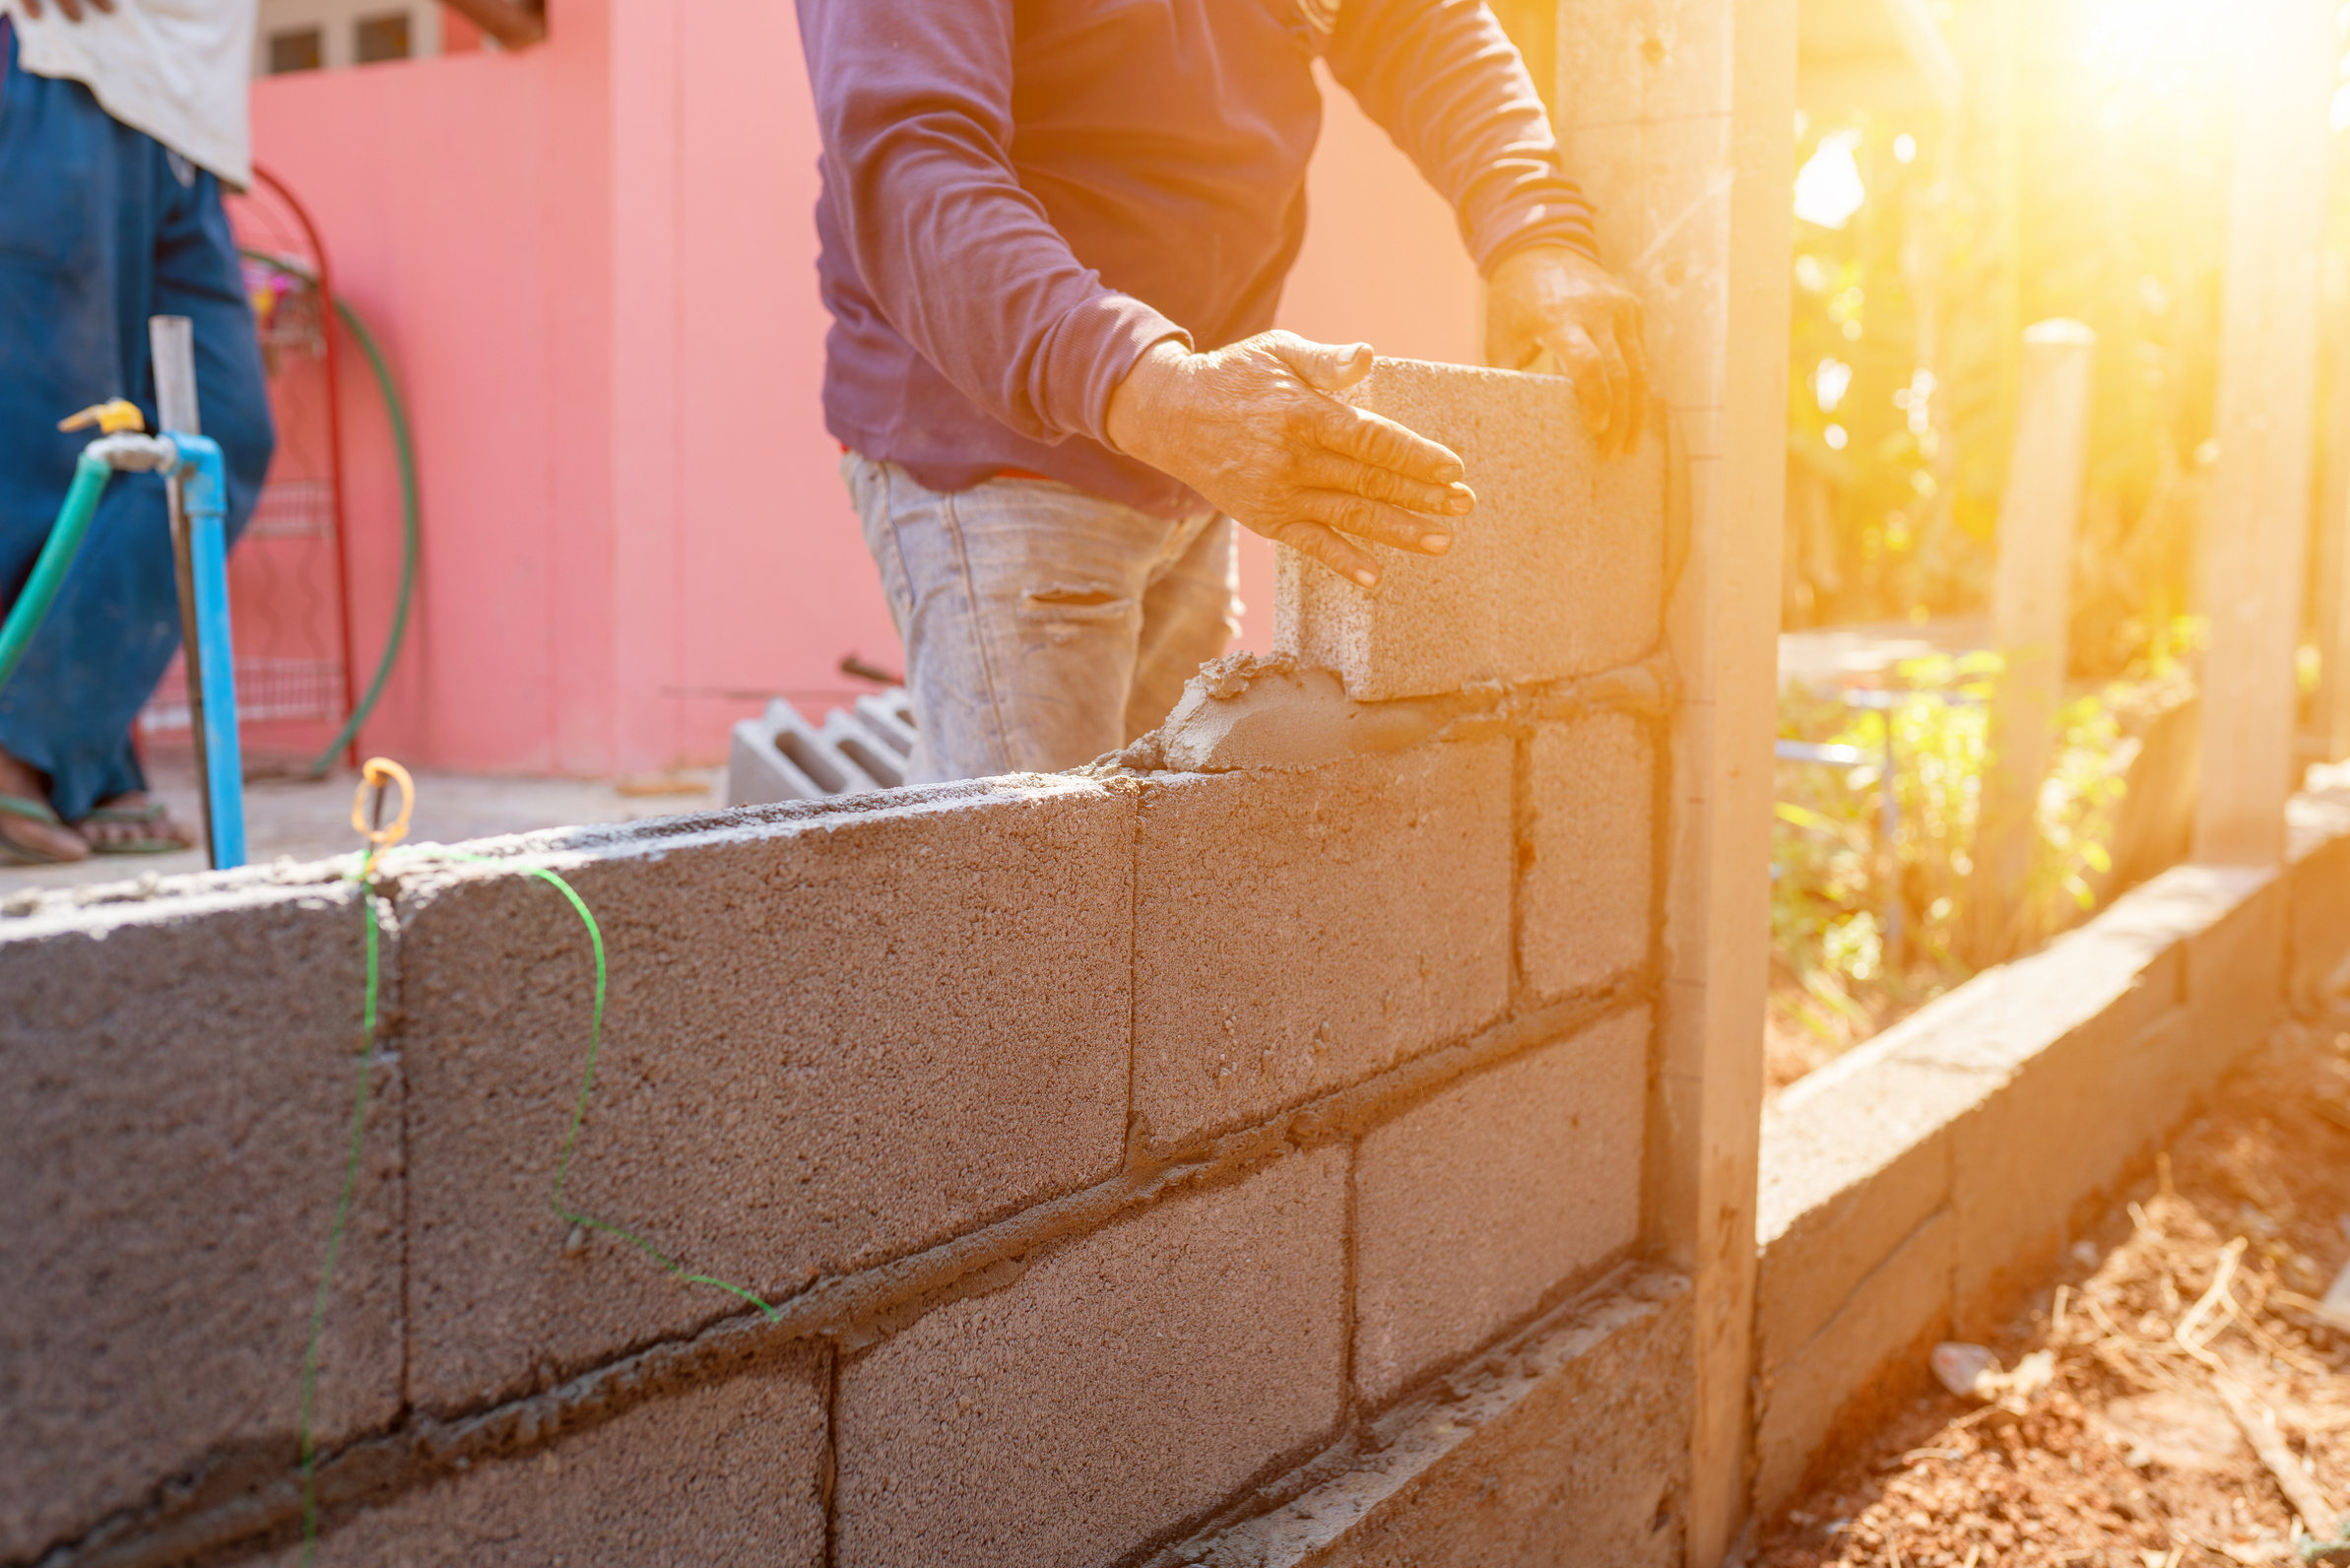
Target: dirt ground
point(2205, 1279)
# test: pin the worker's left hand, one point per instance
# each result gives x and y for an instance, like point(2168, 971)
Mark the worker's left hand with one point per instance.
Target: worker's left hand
point(71, 7)
point(1552, 298)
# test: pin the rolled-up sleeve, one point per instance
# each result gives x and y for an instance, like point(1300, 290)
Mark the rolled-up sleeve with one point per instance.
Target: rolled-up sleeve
point(913, 100)
point(1442, 78)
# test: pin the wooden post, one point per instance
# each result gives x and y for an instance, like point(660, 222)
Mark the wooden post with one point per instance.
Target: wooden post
point(1679, 121)
point(2327, 735)
point(2257, 532)
point(171, 347)
point(2031, 616)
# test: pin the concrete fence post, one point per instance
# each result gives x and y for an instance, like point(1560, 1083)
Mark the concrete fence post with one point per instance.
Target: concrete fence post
point(2257, 532)
point(2326, 736)
point(2031, 613)
point(1679, 121)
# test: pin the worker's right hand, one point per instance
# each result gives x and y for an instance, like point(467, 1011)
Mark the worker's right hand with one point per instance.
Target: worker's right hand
point(71, 7)
point(1252, 427)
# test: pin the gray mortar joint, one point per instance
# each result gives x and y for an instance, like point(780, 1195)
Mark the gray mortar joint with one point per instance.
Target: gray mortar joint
point(1249, 711)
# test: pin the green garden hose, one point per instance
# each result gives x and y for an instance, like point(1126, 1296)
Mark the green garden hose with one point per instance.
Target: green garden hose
point(24, 617)
point(405, 451)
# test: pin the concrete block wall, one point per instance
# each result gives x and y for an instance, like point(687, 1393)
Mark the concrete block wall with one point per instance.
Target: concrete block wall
point(1126, 1163)
point(1919, 1188)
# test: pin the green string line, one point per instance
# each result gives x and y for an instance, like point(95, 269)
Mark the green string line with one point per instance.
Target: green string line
point(554, 1202)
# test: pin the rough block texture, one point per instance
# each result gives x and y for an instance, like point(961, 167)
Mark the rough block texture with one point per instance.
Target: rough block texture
point(1584, 909)
point(727, 1474)
point(2317, 891)
point(1854, 1157)
point(1296, 932)
point(2235, 966)
point(1559, 572)
point(1810, 1396)
point(175, 1087)
point(2318, 939)
point(2083, 1108)
point(1471, 1208)
point(1126, 1382)
point(1564, 1448)
point(833, 1038)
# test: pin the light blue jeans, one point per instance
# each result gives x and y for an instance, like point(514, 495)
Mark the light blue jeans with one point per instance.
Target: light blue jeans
point(1043, 627)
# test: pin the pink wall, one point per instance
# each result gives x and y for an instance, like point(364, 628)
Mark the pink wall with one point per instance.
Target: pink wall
point(592, 266)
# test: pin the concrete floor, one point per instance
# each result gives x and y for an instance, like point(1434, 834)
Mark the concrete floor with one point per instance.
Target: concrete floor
point(303, 820)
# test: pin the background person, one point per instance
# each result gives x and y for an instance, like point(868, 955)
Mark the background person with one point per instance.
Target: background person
point(119, 121)
point(1054, 233)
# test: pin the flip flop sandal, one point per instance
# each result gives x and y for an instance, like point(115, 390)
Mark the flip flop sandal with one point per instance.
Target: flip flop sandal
point(31, 810)
point(135, 817)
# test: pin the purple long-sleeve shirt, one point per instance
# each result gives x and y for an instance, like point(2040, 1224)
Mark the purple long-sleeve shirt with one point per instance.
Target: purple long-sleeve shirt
point(1021, 196)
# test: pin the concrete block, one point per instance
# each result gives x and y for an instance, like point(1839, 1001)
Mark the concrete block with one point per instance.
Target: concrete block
point(2236, 965)
point(732, 1474)
point(177, 1081)
point(780, 756)
point(1471, 1208)
point(2317, 939)
point(1585, 899)
point(1871, 1353)
point(1559, 572)
point(1296, 932)
point(1127, 1382)
point(836, 1034)
point(1569, 1446)
point(1853, 1163)
point(2064, 1129)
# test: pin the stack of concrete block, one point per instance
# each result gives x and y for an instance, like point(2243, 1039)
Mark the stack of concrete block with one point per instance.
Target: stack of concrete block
point(780, 756)
point(1134, 1163)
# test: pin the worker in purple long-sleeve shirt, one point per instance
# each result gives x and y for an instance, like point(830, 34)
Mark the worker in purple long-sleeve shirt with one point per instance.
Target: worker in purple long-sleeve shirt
point(1054, 234)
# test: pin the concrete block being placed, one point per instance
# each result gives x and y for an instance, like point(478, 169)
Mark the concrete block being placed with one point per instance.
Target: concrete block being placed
point(1297, 932)
point(1127, 1381)
point(1471, 1208)
point(726, 1475)
point(176, 1083)
point(835, 1034)
point(1586, 915)
point(1559, 572)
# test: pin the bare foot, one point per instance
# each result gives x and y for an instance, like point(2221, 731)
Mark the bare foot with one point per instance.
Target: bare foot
point(45, 840)
point(132, 823)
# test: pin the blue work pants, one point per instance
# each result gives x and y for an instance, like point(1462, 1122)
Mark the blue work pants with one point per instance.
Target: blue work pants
point(100, 229)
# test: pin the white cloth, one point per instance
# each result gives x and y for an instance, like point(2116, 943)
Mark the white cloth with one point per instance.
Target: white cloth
point(176, 69)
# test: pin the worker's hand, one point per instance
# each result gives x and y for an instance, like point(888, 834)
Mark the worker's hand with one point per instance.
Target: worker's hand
point(71, 7)
point(1251, 428)
point(1560, 299)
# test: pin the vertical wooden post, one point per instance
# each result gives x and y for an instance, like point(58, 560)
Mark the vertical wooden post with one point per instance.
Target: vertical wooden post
point(2257, 532)
point(2329, 730)
point(1679, 120)
point(2031, 617)
point(172, 350)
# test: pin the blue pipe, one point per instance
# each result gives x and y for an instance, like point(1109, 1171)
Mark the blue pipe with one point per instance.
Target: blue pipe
point(204, 504)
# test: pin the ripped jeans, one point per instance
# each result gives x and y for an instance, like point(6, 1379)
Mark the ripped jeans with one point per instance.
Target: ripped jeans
point(1043, 627)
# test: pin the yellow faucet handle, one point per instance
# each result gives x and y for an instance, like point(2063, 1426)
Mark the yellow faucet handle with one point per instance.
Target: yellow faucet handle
point(111, 417)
